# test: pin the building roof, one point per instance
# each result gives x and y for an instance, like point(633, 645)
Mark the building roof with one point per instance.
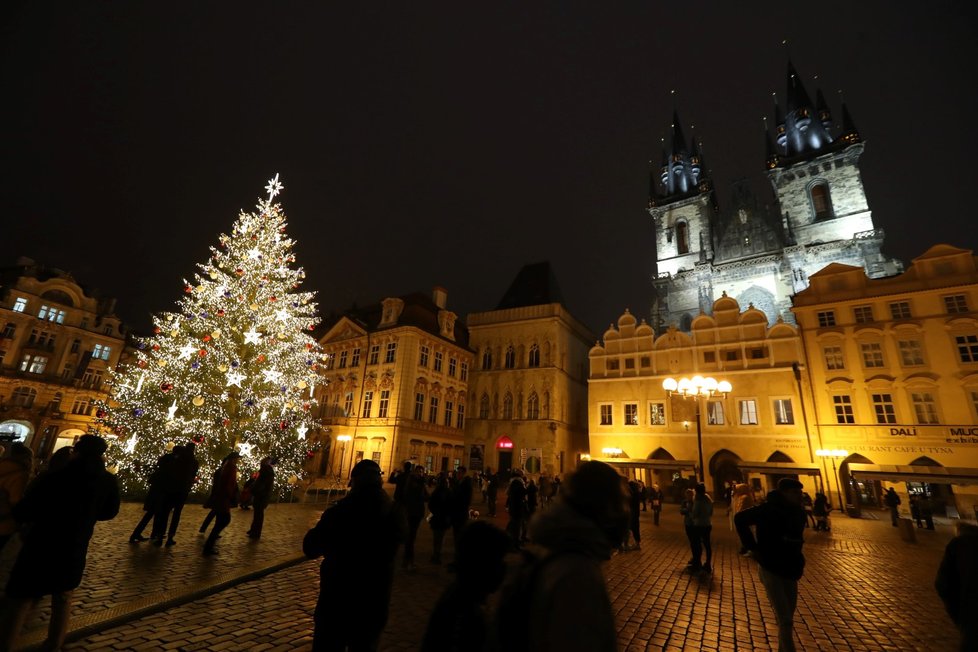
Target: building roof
point(534, 285)
point(419, 311)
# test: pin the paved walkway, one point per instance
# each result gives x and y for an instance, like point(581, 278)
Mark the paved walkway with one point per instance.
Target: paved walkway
point(864, 589)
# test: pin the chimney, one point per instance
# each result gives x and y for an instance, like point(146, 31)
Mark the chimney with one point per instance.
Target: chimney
point(440, 296)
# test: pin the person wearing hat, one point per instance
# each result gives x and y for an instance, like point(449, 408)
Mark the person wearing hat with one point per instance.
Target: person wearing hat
point(261, 492)
point(224, 495)
point(780, 524)
point(61, 508)
point(358, 539)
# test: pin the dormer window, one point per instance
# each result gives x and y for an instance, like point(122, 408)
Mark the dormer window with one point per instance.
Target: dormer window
point(392, 308)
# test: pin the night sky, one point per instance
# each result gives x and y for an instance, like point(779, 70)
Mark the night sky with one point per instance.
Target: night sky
point(427, 144)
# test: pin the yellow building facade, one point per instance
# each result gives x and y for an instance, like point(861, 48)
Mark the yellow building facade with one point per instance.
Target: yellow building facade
point(894, 367)
point(57, 345)
point(395, 387)
point(756, 433)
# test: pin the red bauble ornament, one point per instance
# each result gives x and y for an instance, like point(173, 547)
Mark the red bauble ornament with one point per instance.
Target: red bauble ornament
point(261, 358)
point(239, 271)
point(225, 422)
point(156, 330)
point(207, 338)
point(156, 347)
point(141, 364)
point(312, 326)
point(310, 454)
point(202, 352)
point(272, 299)
point(283, 425)
point(100, 413)
point(166, 387)
point(220, 313)
point(188, 289)
point(308, 346)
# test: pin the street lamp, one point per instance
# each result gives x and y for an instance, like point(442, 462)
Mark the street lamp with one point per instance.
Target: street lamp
point(343, 439)
point(697, 388)
point(832, 454)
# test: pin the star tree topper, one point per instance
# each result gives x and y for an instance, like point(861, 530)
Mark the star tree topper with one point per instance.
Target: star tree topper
point(274, 187)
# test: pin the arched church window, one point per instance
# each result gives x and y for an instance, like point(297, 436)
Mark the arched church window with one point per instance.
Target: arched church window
point(533, 407)
point(484, 407)
point(510, 361)
point(682, 237)
point(821, 202)
point(487, 358)
point(508, 406)
point(534, 360)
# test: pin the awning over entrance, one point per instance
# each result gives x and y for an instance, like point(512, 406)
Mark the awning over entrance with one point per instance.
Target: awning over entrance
point(652, 465)
point(780, 468)
point(931, 474)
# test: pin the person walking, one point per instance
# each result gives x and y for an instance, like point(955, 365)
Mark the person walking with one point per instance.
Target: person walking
point(440, 507)
point(516, 506)
point(655, 500)
point(892, 501)
point(702, 515)
point(154, 498)
point(415, 496)
point(61, 510)
point(177, 481)
point(492, 491)
point(741, 498)
point(821, 510)
point(957, 583)
point(261, 495)
point(780, 524)
point(224, 496)
point(15, 473)
point(461, 502)
point(532, 498)
point(686, 509)
point(635, 491)
point(809, 506)
point(357, 539)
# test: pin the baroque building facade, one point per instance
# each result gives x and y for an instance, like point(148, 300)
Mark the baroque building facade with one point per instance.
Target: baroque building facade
point(58, 344)
point(756, 254)
point(894, 364)
point(395, 387)
point(528, 388)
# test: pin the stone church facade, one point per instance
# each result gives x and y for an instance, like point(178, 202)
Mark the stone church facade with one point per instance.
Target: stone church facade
point(757, 254)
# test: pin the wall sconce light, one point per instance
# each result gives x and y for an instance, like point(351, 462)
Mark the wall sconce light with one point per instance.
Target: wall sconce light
point(686, 425)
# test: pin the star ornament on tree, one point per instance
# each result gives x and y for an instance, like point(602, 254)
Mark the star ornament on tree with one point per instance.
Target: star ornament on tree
point(234, 378)
point(252, 336)
point(187, 351)
point(271, 375)
point(274, 187)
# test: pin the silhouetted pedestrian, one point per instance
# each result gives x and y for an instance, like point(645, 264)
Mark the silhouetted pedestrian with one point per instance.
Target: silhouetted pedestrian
point(177, 481)
point(15, 472)
point(532, 493)
point(492, 491)
point(702, 515)
point(780, 524)
point(686, 509)
point(357, 538)
point(655, 499)
point(61, 510)
point(892, 501)
point(821, 509)
point(458, 621)
point(154, 497)
point(461, 502)
point(441, 519)
point(957, 583)
point(261, 495)
point(516, 506)
point(412, 503)
point(224, 496)
point(635, 491)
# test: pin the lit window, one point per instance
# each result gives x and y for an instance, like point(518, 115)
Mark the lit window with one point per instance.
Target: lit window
point(911, 353)
point(391, 352)
point(419, 406)
point(967, 347)
point(439, 357)
point(355, 358)
point(748, 412)
point(714, 413)
point(452, 366)
point(834, 358)
point(826, 318)
point(631, 414)
point(348, 404)
point(606, 419)
point(374, 354)
point(900, 310)
point(342, 362)
point(843, 409)
point(385, 399)
point(51, 314)
point(863, 314)
point(449, 413)
point(20, 304)
point(34, 364)
point(657, 414)
point(460, 417)
point(534, 358)
point(533, 407)
point(423, 356)
point(924, 407)
point(368, 404)
point(782, 412)
point(101, 352)
point(956, 303)
point(883, 408)
point(433, 410)
point(872, 355)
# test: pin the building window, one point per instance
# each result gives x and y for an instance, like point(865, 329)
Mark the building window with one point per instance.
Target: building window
point(967, 347)
point(657, 414)
point(452, 367)
point(631, 414)
point(826, 318)
point(385, 400)
point(328, 361)
point(508, 406)
point(34, 364)
point(51, 314)
point(731, 356)
point(834, 358)
point(682, 237)
point(101, 352)
point(956, 303)
point(821, 203)
point(9, 330)
point(510, 359)
point(748, 412)
point(449, 413)
point(924, 407)
point(629, 363)
point(606, 419)
point(534, 358)
point(484, 407)
point(419, 406)
point(423, 356)
point(92, 378)
point(709, 356)
point(81, 406)
point(439, 358)
point(391, 352)
point(25, 397)
point(368, 404)
point(783, 415)
point(900, 310)
point(533, 407)
point(911, 353)
point(487, 358)
point(355, 358)
point(843, 408)
point(463, 371)
point(460, 417)
point(348, 404)
point(67, 371)
point(883, 408)
point(758, 353)
point(374, 354)
point(872, 355)
point(20, 304)
point(714, 413)
point(342, 362)
point(863, 314)
point(613, 364)
point(645, 361)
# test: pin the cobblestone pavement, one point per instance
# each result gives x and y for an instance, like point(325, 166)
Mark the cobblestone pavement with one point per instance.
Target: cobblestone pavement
point(864, 589)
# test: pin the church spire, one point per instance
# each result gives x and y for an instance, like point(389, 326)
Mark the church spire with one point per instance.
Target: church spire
point(824, 115)
point(849, 133)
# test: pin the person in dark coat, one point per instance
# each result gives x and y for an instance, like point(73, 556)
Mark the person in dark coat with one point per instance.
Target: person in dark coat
point(61, 510)
point(492, 491)
point(957, 583)
point(154, 498)
point(516, 506)
point(15, 473)
point(780, 524)
point(224, 496)
point(357, 538)
point(458, 622)
point(176, 482)
point(261, 495)
point(461, 502)
point(635, 491)
point(440, 507)
point(413, 501)
point(892, 501)
point(821, 509)
point(655, 499)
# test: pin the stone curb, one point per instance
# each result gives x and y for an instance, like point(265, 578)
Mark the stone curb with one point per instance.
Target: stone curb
point(93, 623)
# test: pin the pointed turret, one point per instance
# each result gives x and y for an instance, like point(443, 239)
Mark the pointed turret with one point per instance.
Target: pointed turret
point(822, 107)
point(678, 140)
point(849, 133)
point(772, 159)
point(804, 129)
point(782, 133)
point(797, 95)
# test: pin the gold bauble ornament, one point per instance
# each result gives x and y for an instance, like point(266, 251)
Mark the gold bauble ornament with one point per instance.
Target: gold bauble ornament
point(302, 384)
point(174, 333)
point(212, 274)
point(254, 306)
point(198, 401)
point(216, 334)
point(161, 362)
point(222, 368)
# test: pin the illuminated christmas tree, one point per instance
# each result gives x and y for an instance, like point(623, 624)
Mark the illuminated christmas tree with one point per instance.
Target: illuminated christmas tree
point(234, 369)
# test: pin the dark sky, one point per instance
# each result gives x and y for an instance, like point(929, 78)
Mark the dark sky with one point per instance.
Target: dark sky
point(448, 144)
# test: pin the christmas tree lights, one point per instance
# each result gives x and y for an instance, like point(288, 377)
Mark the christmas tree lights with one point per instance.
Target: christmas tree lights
point(234, 369)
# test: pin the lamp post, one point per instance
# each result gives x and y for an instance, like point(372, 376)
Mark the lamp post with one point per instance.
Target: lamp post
point(697, 388)
point(343, 439)
point(832, 454)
